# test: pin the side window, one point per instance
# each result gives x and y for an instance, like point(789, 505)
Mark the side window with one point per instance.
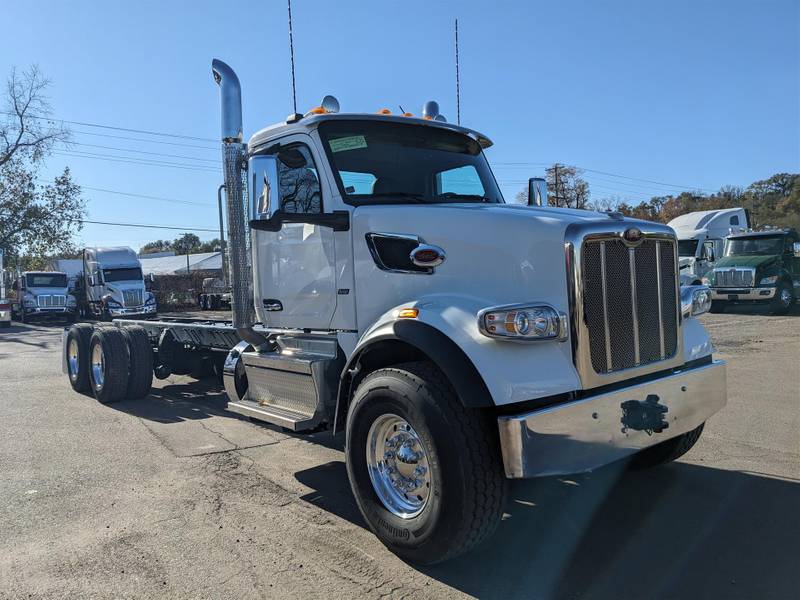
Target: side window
point(298, 179)
point(462, 180)
point(735, 220)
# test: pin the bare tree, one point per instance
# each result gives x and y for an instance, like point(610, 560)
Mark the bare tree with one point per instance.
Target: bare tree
point(566, 187)
point(26, 130)
point(35, 219)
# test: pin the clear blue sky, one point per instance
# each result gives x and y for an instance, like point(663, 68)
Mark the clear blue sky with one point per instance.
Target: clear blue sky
point(695, 93)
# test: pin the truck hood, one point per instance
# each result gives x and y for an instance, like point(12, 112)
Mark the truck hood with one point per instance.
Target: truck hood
point(47, 291)
point(747, 260)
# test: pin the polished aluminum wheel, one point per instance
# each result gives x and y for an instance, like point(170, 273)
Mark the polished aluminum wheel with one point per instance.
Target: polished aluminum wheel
point(398, 466)
point(72, 359)
point(98, 366)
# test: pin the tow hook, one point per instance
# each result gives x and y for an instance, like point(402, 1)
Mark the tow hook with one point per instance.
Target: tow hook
point(644, 415)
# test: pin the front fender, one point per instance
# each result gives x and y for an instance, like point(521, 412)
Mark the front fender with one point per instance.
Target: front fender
point(511, 372)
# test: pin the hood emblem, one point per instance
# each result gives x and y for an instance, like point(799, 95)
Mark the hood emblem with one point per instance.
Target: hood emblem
point(633, 236)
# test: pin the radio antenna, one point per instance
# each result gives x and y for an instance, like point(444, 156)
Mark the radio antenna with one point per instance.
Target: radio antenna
point(291, 55)
point(458, 83)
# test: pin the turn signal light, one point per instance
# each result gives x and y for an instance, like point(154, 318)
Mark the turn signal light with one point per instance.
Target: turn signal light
point(408, 313)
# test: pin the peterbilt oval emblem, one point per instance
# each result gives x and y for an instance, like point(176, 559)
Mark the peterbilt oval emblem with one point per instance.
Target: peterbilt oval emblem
point(426, 255)
point(633, 235)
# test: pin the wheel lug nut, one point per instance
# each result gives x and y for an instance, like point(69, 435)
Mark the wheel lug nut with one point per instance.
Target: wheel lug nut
point(420, 470)
point(388, 454)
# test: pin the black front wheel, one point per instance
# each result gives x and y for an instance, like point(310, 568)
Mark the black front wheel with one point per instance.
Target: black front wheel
point(426, 472)
point(784, 298)
point(717, 306)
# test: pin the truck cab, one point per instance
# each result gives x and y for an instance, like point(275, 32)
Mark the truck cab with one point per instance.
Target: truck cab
point(758, 267)
point(701, 239)
point(381, 287)
point(43, 295)
point(112, 285)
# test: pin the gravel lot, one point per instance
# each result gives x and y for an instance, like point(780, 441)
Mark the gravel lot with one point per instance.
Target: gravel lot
point(172, 496)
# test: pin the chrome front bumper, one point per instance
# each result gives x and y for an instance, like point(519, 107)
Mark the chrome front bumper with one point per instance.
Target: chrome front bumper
point(133, 312)
point(759, 293)
point(589, 433)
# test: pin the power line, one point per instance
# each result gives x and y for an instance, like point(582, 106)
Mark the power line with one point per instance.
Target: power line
point(137, 161)
point(160, 198)
point(144, 140)
point(112, 127)
point(67, 144)
point(142, 225)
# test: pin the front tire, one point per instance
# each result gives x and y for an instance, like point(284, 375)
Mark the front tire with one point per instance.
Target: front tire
point(426, 472)
point(784, 298)
point(717, 306)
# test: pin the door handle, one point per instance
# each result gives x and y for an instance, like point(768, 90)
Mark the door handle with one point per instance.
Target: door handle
point(271, 304)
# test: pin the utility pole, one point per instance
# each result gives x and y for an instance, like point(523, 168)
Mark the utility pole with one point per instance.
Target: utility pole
point(555, 177)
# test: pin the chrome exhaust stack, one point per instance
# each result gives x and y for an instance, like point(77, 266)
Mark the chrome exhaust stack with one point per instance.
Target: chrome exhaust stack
point(234, 166)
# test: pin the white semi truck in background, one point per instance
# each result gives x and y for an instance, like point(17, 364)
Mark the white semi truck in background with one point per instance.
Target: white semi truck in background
point(43, 296)
point(111, 285)
point(5, 303)
point(382, 287)
point(701, 239)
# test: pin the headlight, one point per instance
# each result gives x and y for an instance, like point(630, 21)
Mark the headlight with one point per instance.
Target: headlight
point(151, 299)
point(695, 300)
point(110, 301)
point(29, 302)
point(705, 280)
point(71, 301)
point(769, 280)
point(520, 322)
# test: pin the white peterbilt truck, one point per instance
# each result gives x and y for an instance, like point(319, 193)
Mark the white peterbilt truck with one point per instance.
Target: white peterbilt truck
point(382, 287)
point(111, 285)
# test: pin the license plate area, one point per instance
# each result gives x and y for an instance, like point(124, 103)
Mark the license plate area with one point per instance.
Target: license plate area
point(733, 296)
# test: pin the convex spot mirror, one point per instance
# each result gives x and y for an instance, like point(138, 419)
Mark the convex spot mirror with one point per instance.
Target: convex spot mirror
point(262, 172)
point(537, 191)
point(796, 249)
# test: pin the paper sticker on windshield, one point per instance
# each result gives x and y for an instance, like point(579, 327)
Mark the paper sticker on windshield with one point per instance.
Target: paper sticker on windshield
point(353, 142)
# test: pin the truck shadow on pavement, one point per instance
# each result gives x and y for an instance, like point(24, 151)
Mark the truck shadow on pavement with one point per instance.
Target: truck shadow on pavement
point(677, 531)
point(26, 335)
point(177, 402)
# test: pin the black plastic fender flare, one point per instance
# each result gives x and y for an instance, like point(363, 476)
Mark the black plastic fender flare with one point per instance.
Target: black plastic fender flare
point(426, 339)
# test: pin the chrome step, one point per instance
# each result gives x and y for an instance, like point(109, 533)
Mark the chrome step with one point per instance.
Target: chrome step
point(282, 417)
point(291, 387)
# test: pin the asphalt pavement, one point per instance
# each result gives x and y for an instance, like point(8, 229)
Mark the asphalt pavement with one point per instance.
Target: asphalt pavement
point(171, 496)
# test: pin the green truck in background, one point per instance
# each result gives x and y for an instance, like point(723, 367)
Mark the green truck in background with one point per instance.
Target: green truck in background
point(757, 267)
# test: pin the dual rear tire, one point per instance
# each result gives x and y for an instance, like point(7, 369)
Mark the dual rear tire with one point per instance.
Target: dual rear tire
point(112, 363)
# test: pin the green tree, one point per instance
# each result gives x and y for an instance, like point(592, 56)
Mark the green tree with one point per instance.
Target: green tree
point(186, 244)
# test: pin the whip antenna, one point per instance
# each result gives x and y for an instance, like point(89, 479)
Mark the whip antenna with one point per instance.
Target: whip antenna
point(458, 83)
point(291, 56)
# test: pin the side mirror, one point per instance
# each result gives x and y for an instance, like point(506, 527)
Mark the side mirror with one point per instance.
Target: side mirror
point(15, 286)
point(796, 249)
point(537, 191)
point(262, 172)
point(708, 251)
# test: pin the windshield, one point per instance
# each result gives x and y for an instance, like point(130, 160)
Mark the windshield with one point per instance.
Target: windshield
point(131, 274)
point(764, 245)
point(396, 163)
point(56, 280)
point(687, 247)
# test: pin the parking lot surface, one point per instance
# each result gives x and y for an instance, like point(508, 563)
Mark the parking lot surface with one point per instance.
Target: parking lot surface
point(172, 496)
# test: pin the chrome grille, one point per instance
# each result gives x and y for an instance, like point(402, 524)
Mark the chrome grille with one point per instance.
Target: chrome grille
point(734, 277)
point(629, 303)
point(51, 301)
point(132, 298)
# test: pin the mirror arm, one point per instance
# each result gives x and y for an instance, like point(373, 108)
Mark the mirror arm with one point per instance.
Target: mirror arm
point(338, 220)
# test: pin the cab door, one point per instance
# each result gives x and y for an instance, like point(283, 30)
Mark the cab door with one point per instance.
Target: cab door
point(295, 282)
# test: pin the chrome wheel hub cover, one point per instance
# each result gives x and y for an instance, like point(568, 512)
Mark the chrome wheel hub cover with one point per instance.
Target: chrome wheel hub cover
point(98, 366)
point(398, 467)
point(72, 359)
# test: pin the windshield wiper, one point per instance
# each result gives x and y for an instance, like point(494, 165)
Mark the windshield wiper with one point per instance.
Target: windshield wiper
point(415, 198)
point(472, 197)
